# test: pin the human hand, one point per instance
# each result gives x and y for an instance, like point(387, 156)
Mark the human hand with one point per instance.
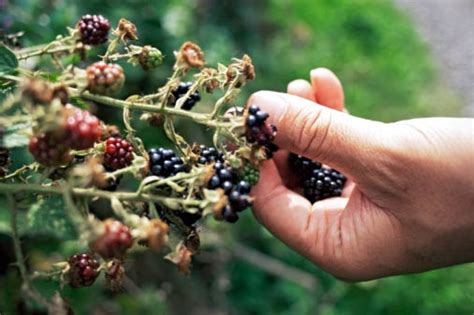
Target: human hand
point(409, 204)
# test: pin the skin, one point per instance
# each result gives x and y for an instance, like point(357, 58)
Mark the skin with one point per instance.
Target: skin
point(408, 205)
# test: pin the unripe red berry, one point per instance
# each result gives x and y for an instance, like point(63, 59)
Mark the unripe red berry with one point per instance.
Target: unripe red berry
point(104, 78)
point(50, 149)
point(82, 128)
point(118, 153)
point(83, 270)
point(114, 240)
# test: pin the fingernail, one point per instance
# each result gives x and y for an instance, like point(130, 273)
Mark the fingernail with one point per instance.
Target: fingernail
point(270, 102)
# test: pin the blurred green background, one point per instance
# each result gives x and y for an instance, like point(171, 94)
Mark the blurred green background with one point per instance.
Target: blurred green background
point(388, 74)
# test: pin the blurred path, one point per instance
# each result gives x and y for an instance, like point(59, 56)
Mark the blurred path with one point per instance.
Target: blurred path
point(448, 26)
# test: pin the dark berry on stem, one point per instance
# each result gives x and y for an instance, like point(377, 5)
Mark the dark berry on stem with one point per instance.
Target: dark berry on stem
point(164, 162)
point(181, 90)
point(94, 29)
point(229, 215)
point(118, 153)
point(83, 270)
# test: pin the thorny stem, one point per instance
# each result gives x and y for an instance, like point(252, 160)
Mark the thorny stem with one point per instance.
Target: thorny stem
point(20, 259)
point(90, 192)
point(60, 45)
point(48, 51)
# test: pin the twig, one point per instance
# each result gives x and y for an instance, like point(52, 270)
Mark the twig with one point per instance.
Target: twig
point(20, 259)
point(275, 267)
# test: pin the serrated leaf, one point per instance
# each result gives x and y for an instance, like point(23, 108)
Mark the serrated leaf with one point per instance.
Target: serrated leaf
point(48, 217)
point(8, 60)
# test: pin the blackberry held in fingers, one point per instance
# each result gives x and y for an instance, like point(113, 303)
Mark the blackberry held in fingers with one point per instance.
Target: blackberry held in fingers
point(259, 131)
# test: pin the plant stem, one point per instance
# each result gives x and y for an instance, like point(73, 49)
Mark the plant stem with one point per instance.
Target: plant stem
point(20, 259)
point(90, 192)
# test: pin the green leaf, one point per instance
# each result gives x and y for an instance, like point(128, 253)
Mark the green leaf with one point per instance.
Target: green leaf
point(15, 136)
point(48, 217)
point(8, 61)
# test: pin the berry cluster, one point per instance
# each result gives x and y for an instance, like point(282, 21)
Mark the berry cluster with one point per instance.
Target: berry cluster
point(114, 240)
point(104, 78)
point(164, 162)
point(259, 131)
point(83, 270)
point(94, 29)
point(318, 182)
point(118, 153)
point(82, 128)
point(237, 191)
point(181, 90)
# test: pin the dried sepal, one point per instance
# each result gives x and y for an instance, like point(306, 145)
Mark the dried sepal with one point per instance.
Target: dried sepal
point(126, 30)
point(181, 257)
point(189, 56)
point(114, 274)
point(241, 70)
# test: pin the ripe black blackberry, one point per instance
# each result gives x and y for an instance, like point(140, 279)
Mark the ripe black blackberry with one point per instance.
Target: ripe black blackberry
point(94, 29)
point(118, 153)
point(83, 270)
point(181, 90)
point(237, 191)
point(323, 183)
point(259, 131)
point(164, 162)
point(301, 165)
point(318, 182)
point(209, 155)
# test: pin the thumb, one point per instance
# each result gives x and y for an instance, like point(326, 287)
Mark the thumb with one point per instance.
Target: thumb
point(345, 142)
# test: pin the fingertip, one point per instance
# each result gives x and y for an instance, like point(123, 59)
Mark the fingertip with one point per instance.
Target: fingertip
point(301, 88)
point(327, 88)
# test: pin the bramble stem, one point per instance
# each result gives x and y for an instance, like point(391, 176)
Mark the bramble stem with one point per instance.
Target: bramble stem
point(90, 192)
point(20, 259)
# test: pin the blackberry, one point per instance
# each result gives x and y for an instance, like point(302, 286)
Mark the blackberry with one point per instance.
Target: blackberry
point(94, 29)
point(104, 78)
point(164, 162)
point(259, 131)
point(114, 240)
point(209, 155)
point(318, 182)
point(118, 153)
point(181, 90)
point(237, 191)
point(82, 128)
point(301, 165)
point(50, 149)
point(83, 270)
